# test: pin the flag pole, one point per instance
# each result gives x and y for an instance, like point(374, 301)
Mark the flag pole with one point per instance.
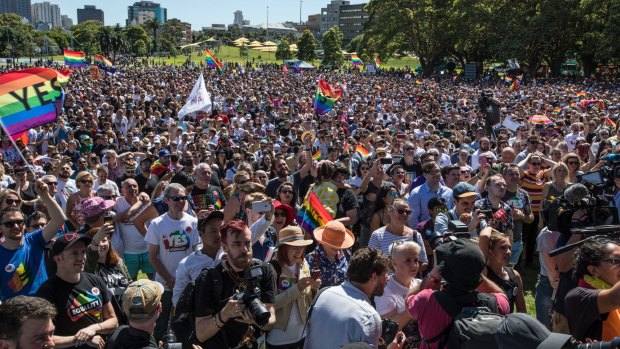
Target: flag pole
point(31, 169)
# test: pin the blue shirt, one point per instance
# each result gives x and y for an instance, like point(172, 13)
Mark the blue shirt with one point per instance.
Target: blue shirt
point(23, 270)
point(333, 273)
point(418, 202)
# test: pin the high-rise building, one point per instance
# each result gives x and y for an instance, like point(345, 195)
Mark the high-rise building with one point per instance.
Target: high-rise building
point(238, 18)
point(66, 22)
point(349, 18)
point(351, 21)
point(45, 14)
point(22, 8)
point(330, 15)
point(187, 33)
point(90, 12)
point(141, 11)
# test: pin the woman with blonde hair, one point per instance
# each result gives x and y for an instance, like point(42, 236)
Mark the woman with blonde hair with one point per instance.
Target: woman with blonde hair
point(553, 189)
point(573, 162)
point(84, 182)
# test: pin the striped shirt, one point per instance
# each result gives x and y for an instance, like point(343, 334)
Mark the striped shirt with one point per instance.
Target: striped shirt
point(382, 239)
point(533, 185)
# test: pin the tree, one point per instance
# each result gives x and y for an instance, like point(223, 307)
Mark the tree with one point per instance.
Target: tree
point(60, 37)
point(355, 44)
point(16, 37)
point(153, 25)
point(139, 48)
point(173, 31)
point(332, 48)
point(306, 47)
point(86, 35)
point(401, 26)
point(135, 33)
point(284, 51)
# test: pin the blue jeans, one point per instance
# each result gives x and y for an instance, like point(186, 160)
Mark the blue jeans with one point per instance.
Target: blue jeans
point(544, 303)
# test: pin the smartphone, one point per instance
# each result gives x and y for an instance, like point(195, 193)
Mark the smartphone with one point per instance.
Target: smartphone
point(315, 273)
point(386, 161)
point(261, 206)
point(107, 219)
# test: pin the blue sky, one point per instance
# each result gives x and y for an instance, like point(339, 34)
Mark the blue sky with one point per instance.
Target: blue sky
point(203, 13)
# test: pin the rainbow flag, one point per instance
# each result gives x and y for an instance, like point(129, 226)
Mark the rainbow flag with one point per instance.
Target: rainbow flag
point(360, 149)
point(592, 103)
point(557, 110)
point(418, 81)
point(218, 204)
point(312, 214)
point(326, 97)
point(581, 94)
point(407, 76)
point(377, 63)
point(609, 122)
point(356, 60)
point(514, 85)
point(213, 62)
point(30, 98)
point(104, 63)
point(21, 137)
point(573, 104)
point(317, 155)
point(508, 79)
point(75, 58)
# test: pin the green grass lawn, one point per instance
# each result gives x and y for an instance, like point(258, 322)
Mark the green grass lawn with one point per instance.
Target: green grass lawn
point(231, 54)
point(530, 277)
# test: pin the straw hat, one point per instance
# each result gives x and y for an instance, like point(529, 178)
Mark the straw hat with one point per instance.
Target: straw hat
point(293, 236)
point(335, 235)
point(310, 134)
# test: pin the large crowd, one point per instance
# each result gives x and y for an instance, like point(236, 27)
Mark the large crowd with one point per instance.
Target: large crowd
point(121, 216)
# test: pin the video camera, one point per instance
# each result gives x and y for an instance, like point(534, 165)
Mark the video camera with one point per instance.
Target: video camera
point(602, 180)
point(456, 230)
point(612, 344)
point(251, 296)
point(170, 340)
point(559, 212)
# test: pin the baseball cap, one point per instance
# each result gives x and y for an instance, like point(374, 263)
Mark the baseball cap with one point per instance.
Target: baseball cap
point(67, 241)
point(519, 330)
point(460, 263)
point(164, 152)
point(463, 190)
point(211, 215)
point(95, 205)
point(141, 298)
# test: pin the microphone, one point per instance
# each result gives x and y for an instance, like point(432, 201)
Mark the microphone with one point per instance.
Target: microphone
point(575, 193)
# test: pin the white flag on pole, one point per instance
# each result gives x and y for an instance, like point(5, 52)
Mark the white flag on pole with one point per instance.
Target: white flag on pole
point(198, 100)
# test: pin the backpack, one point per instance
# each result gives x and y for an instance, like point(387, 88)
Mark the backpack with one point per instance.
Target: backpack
point(471, 327)
point(183, 322)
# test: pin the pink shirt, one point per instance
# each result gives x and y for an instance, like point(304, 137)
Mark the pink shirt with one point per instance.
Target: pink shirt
point(432, 318)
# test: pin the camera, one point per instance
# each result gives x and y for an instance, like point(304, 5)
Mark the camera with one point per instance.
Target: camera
point(170, 340)
point(456, 230)
point(250, 296)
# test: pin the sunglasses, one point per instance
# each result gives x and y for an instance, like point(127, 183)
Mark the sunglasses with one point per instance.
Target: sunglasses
point(86, 181)
point(280, 214)
point(286, 191)
point(404, 211)
point(51, 183)
point(11, 224)
point(70, 237)
point(393, 195)
point(177, 198)
point(11, 201)
point(441, 209)
point(573, 162)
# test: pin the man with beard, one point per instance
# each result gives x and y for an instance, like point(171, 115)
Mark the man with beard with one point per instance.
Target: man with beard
point(464, 198)
point(282, 173)
point(205, 195)
point(347, 307)
point(485, 146)
point(146, 180)
point(221, 321)
point(171, 237)
point(66, 185)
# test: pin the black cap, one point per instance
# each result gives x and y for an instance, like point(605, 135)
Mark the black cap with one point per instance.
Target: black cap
point(183, 178)
point(461, 263)
point(67, 241)
point(213, 214)
point(519, 330)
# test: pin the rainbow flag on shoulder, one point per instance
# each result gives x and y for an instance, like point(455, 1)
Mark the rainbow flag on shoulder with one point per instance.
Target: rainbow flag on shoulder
point(30, 98)
point(213, 62)
point(326, 97)
point(312, 214)
point(75, 58)
point(356, 60)
point(104, 63)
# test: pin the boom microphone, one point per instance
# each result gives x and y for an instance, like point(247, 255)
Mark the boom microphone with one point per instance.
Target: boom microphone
point(576, 193)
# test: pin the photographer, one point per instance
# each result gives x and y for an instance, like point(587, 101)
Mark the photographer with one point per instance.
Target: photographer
point(490, 107)
point(222, 321)
point(593, 308)
point(464, 196)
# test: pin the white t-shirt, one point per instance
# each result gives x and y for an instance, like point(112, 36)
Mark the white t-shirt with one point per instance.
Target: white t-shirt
point(189, 269)
point(394, 296)
point(133, 241)
point(65, 189)
point(176, 240)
